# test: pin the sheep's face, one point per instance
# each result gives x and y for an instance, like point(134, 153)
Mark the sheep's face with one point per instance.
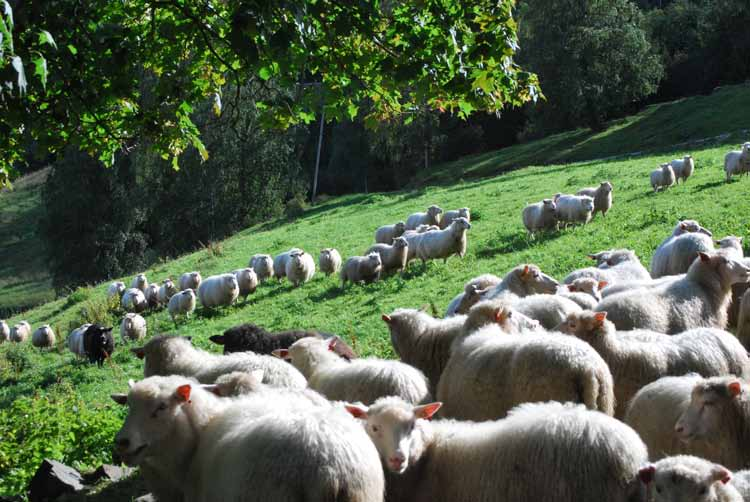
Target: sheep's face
point(461, 224)
point(731, 271)
point(536, 281)
point(684, 482)
point(587, 203)
point(464, 212)
point(730, 242)
point(705, 416)
point(691, 226)
point(589, 286)
point(374, 261)
point(231, 282)
point(549, 206)
point(605, 186)
point(746, 148)
point(586, 325)
point(400, 243)
point(400, 227)
point(491, 312)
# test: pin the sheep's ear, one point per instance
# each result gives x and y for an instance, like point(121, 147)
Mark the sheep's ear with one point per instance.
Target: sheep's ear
point(683, 225)
point(646, 474)
point(281, 353)
point(704, 257)
point(212, 388)
point(357, 410)
point(525, 271)
point(386, 318)
point(140, 352)
point(258, 374)
point(426, 411)
point(593, 256)
point(571, 288)
point(332, 345)
point(217, 339)
point(602, 284)
point(501, 315)
point(119, 398)
point(182, 393)
point(734, 388)
point(600, 317)
point(718, 473)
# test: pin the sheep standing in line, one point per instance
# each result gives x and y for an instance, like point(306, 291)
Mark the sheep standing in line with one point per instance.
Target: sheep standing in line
point(133, 300)
point(473, 292)
point(602, 196)
point(218, 291)
point(98, 343)
point(541, 452)
point(140, 282)
point(152, 295)
point(75, 340)
point(183, 303)
point(522, 281)
point(737, 162)
point(683, 168)
point(173, 355)
point(540, 216)
point(688, 479)
point(444, 243)
point(190, 280)
point(678, 251)
point(329, 261)
point(449, 216)
point(166, 291)
point(247, 281)
point(392, 256)
point(365, 269)
point(263, 266)
point(116, 289)
point(431, 217)
point(662, 178)
point(574, 208)
point(386, 233)
point(279, 263)
point(700, 299)
point(300, 268)
point(20, 332)
point(132, 328)
point(43, 337)
point(4, 331)
point(360, 380)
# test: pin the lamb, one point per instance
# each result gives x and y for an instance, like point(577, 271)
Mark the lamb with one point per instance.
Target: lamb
point(386, 233)
point(683, 168)
point(75, 340)
point(737, 161)
point(637, 359)
point(688, 479)
point(300, 268)
point(522, 281)
point(190, 280)
point(240, 383)
point(602, 196)
point(132, 328)
point(444, 243)
point(431, 217)
point(140, 282)
point(541, 452)
point(133, 300)
point(662, 178)
point(392, 256)
point(116, 289)
point(200, 447)
point(43, 337)
point(549, 310)
point(700, 299)
point(263, 266)
point(362, 269)
point(279, 263)
point(574, 208)
point(449, 216)
point(731, 245)
point(247, 281)
point(172, 355)
point(329, 261)
point(4, 331)
point(166, 291)
point(473, 292)
point(586, 292)
point(183, 303)
point(218, 290)
point(152, 295)
point(98, 343)
point(488, 374)
point(363, 380)
point(678, 251)
point(540, 216)
point(20, 332)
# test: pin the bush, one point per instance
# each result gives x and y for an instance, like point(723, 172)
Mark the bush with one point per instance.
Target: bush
point(295, 207)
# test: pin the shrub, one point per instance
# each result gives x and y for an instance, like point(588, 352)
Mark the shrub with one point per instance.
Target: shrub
point(295, 207)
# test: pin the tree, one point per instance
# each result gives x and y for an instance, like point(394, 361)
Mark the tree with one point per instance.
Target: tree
point(390, 54)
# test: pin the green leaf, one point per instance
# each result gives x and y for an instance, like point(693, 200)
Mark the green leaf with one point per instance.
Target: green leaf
point(264, 73)
point(45, 37)
point(217, 104)
point(40, 69)
point(72, 49)
point(352, 110)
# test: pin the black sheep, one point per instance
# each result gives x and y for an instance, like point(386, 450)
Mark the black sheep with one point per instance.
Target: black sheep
point(98, 343)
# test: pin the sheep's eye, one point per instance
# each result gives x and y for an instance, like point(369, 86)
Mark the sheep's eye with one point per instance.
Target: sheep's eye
point(375, 428)
point(658, 489)
point(703, 491)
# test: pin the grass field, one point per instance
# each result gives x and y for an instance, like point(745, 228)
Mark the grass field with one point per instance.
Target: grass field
point(54, 406)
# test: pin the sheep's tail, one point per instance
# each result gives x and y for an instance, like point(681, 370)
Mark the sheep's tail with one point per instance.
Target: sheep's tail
point(598, 393)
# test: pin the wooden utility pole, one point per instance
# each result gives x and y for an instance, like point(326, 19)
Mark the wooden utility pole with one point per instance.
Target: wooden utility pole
point(317, 156)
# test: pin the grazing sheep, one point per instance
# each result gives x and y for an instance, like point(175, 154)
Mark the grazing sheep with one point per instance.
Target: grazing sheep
point(602, 196)
point(574, 208)
point(473, 292)
point(300, 268)
point(700, 299)
point(140, 282)
point(444, 243)
point(549, 310)
point(737, 161)
point(166, 291)
point(386, 233)
point(540, 216)
point(174, 355)
point(247, 281)
point(20, 332)
point(43, 337)
point(360, 380)
point(132, 328)
point(490, 372)
point(152, 295)
point(4, 331)
point(540, 452)
point(683, 168)
point(431, 217)
point(133, 300)
point(279, 263)
point(662, 178)
point(522, 281)
point(183, 303)
point(688, 479)
point(218, 290)
point(191, 280)
point(263, 266)
point(329, 261)
point(116, 289)
point(392, 256)
point(240, 383)
point(75, 340)
point(362, 269)
point(449, 216)
point(677, 252)
point(637, 359)
point(98, 343)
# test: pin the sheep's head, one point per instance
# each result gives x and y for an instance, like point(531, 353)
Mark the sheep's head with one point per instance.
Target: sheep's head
point(159, 352)
point(460, 224)
point(588, 285)
point(237, 383)
point(710, 406)
point(746, 147)
point(537, 282)
point(730, 270)
point(326, 253)
point(549, 205)
point(587, 203)
point(400, 227)
point(374, 260)
point(464, 212)
point(306, 353)
point(400, 243)
point(605, 186)
point(230, 281)
point(684, 479)
point(691, 226)
point(434, 210)
point(495, 311)
point(586, 325)
point(730, 242)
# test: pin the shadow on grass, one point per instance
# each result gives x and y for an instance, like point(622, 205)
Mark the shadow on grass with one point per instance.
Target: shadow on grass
point(510, 243)
point(712, 184)
point(329, 294)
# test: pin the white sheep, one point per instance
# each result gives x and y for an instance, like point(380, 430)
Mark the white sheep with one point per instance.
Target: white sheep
point(678, 251)
point(540, 216)
point(662, 178)
point(241, 383)
point(116, 289)
point(491, 371)
point(263, 266)
point(449, 216)
point(166, 291)
point(586, 292)
point(473, 291)
point(522, 281)
point(173, 355)
point(731, 245)
point(363, 379)
point(218, 290)
point(279, 263)
point(613, 267)
point(132, 328)
point(75, 340)
point(190, 280)
point(140, 282)
point(392, 256)
point(152, 295)
point(602, 196)
point(413, 237)
point(386, 233)
point(686, 478)
point(683, 168)
point(444, 243)
point(648, 283)
point(300, 268)
point(43, 337)
point(431, 217)
point(541, 452)
point(329, 261)
point(737, 161)
point(700, 299)
point(4, 331)
point(574, 208)
point(549, 310)
point(247, 281)
point(183, 303)
point(365, 269)
point(133, 300)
